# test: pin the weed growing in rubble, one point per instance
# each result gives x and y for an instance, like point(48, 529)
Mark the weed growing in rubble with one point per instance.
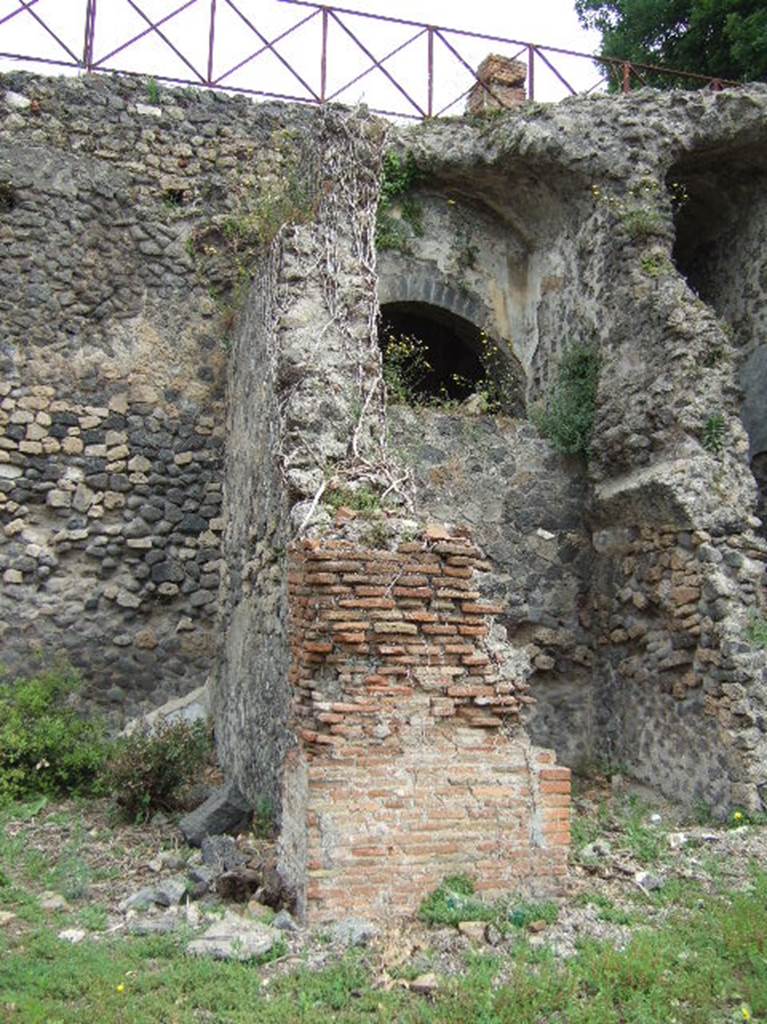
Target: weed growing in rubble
point(656, 265)
point(455, 900)
point(147, 769)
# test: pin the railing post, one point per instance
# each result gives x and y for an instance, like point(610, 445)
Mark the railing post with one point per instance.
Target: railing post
point(530, 72)
point(90, 31)
point(626, 77)
point(430, 74)
point(324, 57)
point(211, 41)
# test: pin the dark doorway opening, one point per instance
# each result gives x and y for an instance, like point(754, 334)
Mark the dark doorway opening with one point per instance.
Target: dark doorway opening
point(432, 355)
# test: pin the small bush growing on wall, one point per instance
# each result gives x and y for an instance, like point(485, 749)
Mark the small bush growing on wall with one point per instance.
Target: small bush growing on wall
point(45, 745)
point(567, 419)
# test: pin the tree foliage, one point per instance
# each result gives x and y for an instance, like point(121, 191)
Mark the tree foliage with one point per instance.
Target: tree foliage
point(718, 38)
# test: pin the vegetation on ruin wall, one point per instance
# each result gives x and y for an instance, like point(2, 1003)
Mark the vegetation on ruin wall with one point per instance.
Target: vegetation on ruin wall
point(400, 175)
point(567, 417)
point(226, 250)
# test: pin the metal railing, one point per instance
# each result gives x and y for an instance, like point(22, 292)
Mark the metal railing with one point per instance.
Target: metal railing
point(298, 51)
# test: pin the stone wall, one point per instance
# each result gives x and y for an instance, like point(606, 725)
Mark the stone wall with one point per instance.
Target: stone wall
point(407, 711)
point(677, 704)
point(112, 520)
point(525, 505)
point(305, 403)
point(669, 453)
point(131, 231)
point(119, 287)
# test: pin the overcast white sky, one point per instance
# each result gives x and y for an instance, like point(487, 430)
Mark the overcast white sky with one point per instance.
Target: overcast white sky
point(547, 22)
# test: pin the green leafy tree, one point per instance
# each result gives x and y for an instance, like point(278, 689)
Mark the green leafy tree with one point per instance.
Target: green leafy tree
point(718, 38)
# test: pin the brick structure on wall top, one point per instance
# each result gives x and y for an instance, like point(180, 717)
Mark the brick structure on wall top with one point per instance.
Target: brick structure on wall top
point(410, 765)
point(500, 85)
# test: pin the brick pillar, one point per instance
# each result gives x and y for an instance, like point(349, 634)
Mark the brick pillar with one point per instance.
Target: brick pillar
point(410, 761)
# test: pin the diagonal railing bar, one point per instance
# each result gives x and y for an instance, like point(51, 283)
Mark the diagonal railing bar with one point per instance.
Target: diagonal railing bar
point(391, 53)
point(377, 64)
point(551, 67)
point(452, 103)
point(155, 28)
point(26, 5)
point(19, 10)
point(269, 45)
point(469, 68)
point(146, 32)
point(600, 81)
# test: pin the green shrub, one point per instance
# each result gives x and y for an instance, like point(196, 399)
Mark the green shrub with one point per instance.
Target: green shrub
point(46, 746)
point(147, 770)
point(567, 419)
point(405, 369)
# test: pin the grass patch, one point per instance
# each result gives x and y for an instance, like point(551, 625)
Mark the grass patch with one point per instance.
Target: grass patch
point(757, 631)
point(713, 433)
point(360, 499)
point(455, 900)
point(700, 967)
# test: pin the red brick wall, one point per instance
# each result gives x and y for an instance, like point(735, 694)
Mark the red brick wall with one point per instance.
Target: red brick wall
point(417, 767)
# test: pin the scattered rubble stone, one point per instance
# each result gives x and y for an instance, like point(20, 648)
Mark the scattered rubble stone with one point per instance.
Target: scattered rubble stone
point(354, 931)
point(226, 810)
point(234, 938)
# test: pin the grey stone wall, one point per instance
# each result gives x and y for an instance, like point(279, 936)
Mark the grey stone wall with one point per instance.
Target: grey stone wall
point(130, 234)
point(669, 452)
point(120, 282)
point(525, 506)
point(305, 408)
point(250, 692)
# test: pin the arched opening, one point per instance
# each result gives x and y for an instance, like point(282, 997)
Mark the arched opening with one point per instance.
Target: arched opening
point(432, 355)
